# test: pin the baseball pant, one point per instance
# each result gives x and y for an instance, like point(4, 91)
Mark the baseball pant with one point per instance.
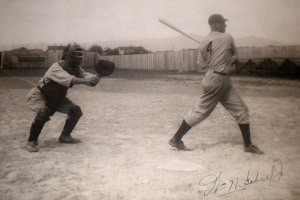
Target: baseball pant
point(217, 88)
point(36, 101)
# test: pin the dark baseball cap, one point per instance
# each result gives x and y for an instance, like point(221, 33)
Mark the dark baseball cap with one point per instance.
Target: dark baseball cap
point(216, 18)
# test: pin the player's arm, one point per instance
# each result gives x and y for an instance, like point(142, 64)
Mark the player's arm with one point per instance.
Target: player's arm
point(57, 74)
point(201, 61)
point(90, 81)
point(86, 78)
point(84, 74)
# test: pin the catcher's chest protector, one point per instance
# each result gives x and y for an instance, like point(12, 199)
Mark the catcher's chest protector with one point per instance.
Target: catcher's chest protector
point(54, 93)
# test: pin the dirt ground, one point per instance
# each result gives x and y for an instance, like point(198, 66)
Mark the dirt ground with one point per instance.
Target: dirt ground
point(127, 122)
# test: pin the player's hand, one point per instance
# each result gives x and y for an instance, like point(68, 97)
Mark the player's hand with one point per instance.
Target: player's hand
point(93, 80)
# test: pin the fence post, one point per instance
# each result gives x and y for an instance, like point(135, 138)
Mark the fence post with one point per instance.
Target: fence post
point(2, 58)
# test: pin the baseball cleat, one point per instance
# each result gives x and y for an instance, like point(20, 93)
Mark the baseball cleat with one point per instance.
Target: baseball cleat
point(178, 145)
point(68, 139)
point(32, 146)
point(253, 149)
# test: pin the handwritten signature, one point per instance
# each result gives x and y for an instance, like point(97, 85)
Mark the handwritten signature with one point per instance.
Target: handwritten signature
point(214, 184)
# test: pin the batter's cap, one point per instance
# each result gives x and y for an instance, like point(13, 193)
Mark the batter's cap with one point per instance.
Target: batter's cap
point(216, 18)
point(73, 50)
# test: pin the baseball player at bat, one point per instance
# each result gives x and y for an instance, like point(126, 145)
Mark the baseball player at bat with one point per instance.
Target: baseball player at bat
point(50, 95)
point(215, 54)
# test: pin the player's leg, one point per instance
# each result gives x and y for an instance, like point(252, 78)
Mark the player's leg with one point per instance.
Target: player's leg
point(212, 92)
point(36, 102)
point(201, 110)
point(175, 141)
point(234, 104)
point(74, 113)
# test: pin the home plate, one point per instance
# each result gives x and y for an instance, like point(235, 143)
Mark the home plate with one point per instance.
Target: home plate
point(181, 165)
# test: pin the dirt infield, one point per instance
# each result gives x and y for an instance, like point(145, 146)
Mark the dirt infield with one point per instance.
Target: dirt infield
point(125, 128)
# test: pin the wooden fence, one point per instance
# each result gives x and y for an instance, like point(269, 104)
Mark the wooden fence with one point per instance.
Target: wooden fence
point(276, 61)
point(252, 59)
point(186, 60)
point(181, 60)
point(276, 53)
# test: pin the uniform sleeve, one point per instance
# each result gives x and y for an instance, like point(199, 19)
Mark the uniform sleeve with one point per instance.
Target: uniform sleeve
point(57, 74)
point(201, 61)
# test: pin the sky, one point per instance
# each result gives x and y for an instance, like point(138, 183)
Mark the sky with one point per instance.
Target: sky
point(55, 21)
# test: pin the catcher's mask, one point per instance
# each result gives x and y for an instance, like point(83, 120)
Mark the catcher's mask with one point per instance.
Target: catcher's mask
point(74, 53)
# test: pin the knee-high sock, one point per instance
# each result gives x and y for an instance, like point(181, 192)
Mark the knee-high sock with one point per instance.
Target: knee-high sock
point(245, 129)
point(183, 129)
point(73, 117)
point(35, 130)
point(69, 125)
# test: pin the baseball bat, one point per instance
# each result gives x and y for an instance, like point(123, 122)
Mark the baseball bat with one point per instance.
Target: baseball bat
point(177, 29)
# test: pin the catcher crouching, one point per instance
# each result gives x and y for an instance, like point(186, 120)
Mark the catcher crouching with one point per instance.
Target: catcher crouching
point(50, 95)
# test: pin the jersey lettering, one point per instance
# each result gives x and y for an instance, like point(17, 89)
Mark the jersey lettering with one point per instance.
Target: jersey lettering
point(209, 47)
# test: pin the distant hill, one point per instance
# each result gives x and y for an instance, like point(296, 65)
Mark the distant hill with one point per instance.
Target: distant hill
point(160, 44)
point(256, 41)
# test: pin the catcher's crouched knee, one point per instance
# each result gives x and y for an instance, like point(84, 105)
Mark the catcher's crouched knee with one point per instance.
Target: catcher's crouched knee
point(43, 114)
point(75, 112)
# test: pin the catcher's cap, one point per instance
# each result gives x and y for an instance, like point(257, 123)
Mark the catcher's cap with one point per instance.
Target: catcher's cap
point(216, 18)
point(73, 50)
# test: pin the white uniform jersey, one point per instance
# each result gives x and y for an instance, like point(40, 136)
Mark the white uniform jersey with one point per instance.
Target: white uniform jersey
point(216, 51)
point(59, 75)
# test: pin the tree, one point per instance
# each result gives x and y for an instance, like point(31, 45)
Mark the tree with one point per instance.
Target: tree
point(133, 50)
point(110, 51)
point(141, 50)
point(96, 48)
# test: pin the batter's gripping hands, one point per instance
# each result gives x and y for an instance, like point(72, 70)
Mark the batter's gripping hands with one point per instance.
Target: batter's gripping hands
point(104, 67)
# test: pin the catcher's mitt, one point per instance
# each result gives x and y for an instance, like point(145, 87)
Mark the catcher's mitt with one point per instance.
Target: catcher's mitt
point(104, 67)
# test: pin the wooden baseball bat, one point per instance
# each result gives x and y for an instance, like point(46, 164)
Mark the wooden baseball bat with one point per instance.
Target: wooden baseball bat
point(177, 29)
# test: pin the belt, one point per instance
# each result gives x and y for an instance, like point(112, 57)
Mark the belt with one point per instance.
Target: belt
point(220, 73)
